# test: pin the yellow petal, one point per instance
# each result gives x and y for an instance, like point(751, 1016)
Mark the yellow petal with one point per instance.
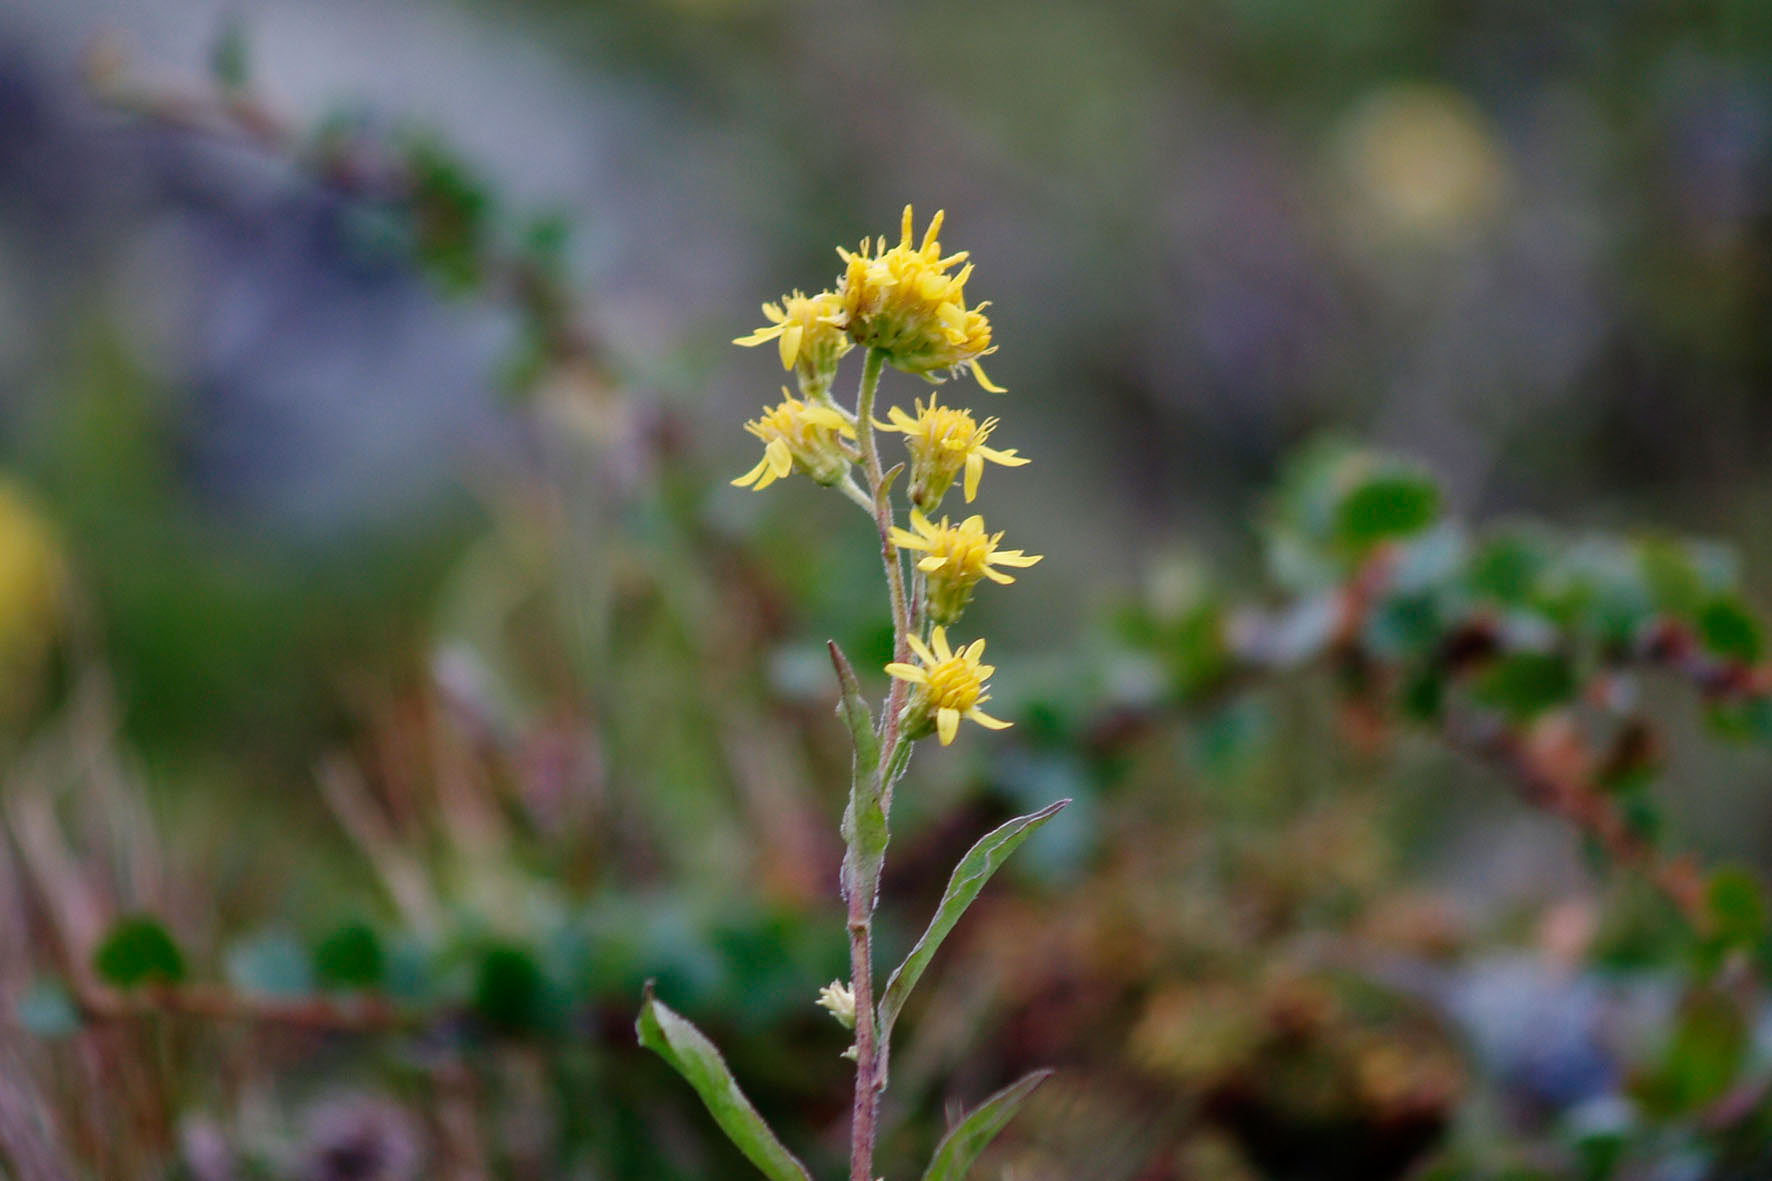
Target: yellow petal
point(907, 672)
point(947, 721)
point(922, 649)
point(974, 650)
point(985, 720)
point(755, 474)
point(905, 540)
point(1006, 458)
point(759, 336)
point(790, 344)
point(781, 460)
point(931, 564)
point(938, 639)
point(1014, 557)
point(985, 383)
point(974, 473)
point(997, 576)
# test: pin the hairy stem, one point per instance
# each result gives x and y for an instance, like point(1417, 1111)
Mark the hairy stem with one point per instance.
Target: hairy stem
point(901, 615)
point(862, 867)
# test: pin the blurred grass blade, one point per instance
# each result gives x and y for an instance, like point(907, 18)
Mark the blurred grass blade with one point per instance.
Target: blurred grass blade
point(974, 870)
point(694, 1057)
point(955, 1155)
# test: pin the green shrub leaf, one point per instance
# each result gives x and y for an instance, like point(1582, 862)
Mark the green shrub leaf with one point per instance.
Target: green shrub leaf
point(351, 957)
point(694, 1057)
point(1525, 684)
point(961, 1147)
point(1386, 507)
point(138, 952)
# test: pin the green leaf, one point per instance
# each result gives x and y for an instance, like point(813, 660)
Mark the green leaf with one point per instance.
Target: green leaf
point(961, 1147)
point(852, 707)
point(351, 957)
point(969, 877)
point(694, 1057)
point(1708, 1048)
point(1728, 629)
point(1525, 684)
point(1393, 505)
point(510, 993)
point(1736, 905)
point(48, 1010)
point(138, 952)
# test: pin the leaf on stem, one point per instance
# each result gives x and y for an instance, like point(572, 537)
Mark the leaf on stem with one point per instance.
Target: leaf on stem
point(966, 1140)
point(853, 709)
point(694, 1057)
point(974, 870)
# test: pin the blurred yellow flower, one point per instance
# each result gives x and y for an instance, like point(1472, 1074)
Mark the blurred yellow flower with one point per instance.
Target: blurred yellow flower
point(799, 434)
point(949, 686)
point(959, 555)
point(30, 575)
point(902, 301)
point(943, 440)
point(809, 332)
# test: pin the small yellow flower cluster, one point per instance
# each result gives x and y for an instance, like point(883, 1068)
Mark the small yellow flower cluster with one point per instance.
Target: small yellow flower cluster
point(950, 686)
point(904, 307)
point(811, 336)
point(902, 301)
point(942, 441)
point(959, 555)
point(799, 434)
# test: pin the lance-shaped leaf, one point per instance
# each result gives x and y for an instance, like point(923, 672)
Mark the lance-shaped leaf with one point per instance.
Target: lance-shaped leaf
point(966, 1140)
point(864, 823)
point(853, 709)
point(694, 1057)
point(974, 870)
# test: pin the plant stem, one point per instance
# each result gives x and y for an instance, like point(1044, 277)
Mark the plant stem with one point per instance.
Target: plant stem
point(901, 615)
point(862, 867)
point(865, 1117)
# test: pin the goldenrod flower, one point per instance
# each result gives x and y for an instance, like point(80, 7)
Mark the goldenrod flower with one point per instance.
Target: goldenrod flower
point(949, 686)
point(943, 440)
point(959, 555)
point(809, 330)
point(902, 301)
point(806, 435)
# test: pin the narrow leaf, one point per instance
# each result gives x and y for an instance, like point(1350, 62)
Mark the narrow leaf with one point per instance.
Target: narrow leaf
point(853, 709)
point(974, 870)
point(966, 1140)
point(694, 1057)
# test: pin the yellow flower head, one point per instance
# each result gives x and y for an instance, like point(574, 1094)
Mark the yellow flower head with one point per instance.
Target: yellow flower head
point(809, 330)
point(943, 440)
point(902, 300)
point(799, 434)
point(949, 686)
point(959, 555)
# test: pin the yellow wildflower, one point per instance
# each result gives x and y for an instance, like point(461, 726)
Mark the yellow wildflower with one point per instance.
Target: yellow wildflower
point(809, 331)
point(943, 440)
point(799, 434)
point(902, 301)
point(959, 555)
point(949, 686)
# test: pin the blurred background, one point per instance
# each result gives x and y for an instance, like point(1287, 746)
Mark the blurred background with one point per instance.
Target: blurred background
point(375, 612)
